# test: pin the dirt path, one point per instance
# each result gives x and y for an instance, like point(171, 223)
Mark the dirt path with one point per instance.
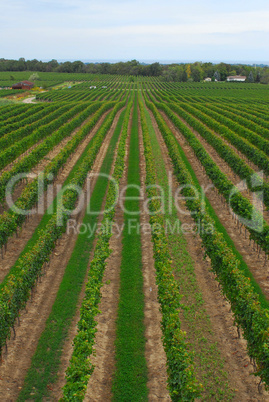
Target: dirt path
point(232, 349)
point(29, 100)
point(155, 354)
point(20, 351)
point(101, 335)
point(100, 383)
point(16, 245)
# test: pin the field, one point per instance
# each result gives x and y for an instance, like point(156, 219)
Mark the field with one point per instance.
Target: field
point(134, 235)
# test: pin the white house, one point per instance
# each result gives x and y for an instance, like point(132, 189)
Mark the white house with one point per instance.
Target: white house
point(238, 78)
point(208, 79)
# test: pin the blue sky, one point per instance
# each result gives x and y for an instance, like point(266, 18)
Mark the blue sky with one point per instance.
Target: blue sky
point(135, 29)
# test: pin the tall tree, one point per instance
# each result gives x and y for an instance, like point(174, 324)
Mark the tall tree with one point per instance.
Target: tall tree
point(217, 76)
point(188, 71)
point(250, 77)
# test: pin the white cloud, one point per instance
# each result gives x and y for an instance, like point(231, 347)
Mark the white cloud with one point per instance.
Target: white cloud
point(145, 29)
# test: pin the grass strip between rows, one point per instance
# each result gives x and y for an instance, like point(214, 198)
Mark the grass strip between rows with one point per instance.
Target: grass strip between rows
point(30, 265)
point(80, 367)
point(182, 383)
point(243, 266)
point(130, 377)
point(208, 367)
point(248, 312)
point(46, 360)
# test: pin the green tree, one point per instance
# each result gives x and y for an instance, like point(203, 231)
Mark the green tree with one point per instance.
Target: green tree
point(217, 76)
point(208, 70)
point(250, 77)
point(188, 71)
point(196, 75)
point(34, 77)
point(265, 77)
point(77, 66)
point(196, 72)
point(258, 77)
point(21, 65)
point(223, 71)
point(155, 69)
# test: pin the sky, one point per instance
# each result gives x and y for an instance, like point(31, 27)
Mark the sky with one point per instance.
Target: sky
point(145, 30)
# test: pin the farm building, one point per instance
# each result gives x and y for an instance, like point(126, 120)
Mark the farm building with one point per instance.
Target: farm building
point(238, 78)
point(208, 79)
point(23, 85)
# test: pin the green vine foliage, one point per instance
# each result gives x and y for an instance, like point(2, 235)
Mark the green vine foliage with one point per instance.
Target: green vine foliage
point(245, 305)
point(17, 289)
point(182, 383)
point(80, 367)
point(11, 221)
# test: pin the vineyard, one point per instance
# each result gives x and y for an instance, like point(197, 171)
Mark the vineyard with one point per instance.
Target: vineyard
point(134, 236)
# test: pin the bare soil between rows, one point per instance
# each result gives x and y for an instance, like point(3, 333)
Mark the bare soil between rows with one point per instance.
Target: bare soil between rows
point(100, 383)
point(249, 253)
point(44, 162)
point(17, 361)
point(155, 354)
point(104, 336)
point(16, 244)
point(232, 349)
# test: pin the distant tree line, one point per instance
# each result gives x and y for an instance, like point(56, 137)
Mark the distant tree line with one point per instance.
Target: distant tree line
point(198, 71)
point(182, 72)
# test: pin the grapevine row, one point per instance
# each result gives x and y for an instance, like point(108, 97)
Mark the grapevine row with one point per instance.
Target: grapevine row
point(29, 117)
point(255, 155)
point(241, 206)
point(245, 305)
point(181, 380)
point(11, 220)
point(247, 114)
point(44, 117)
point(80, 367)
point(60, 117)
point(231, 123)
point(17, 113)
point(17, 289)
point(239, 166)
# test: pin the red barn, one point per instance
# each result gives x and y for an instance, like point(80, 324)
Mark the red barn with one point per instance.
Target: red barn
point(23, 85)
